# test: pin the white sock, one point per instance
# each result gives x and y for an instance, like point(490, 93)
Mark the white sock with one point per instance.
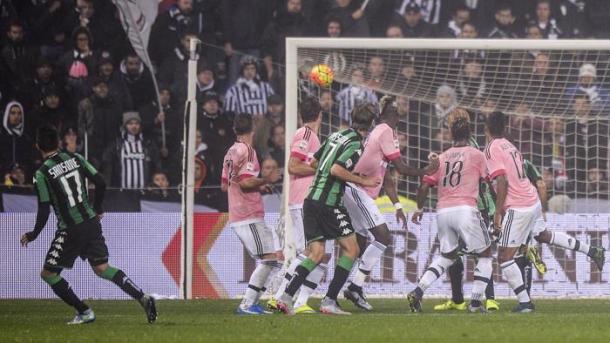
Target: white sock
point(434, 271)
point(309, 286)
point(482, 274)
point(276, 268)
point(257, 282)
point(512, 274)
point(565, 241)
point(289, 272)
point(368, 261)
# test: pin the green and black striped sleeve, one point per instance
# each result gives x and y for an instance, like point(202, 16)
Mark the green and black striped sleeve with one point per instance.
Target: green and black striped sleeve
point(533, 174)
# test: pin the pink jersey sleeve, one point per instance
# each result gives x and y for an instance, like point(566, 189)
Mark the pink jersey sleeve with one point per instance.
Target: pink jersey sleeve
point(496, 159)
point(389, 144)
point(248, 166)
point(300, 144)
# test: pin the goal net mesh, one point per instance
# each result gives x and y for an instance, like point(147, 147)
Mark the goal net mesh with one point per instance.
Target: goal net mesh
point(558, 103)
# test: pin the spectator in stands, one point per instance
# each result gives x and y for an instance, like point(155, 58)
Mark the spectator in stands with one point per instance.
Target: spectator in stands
point(597, 183)
point(587, 83)
point(471, 83)
point(375, 72)
point(352, 17)
point(409, 76)
point(174, 69)
point(17, 59)
point(586, 139)
point(16, 145)
point(15, 176)
point(52, 112)
point(69, 140)
point(168, 28)
point(130, 159)
point(99, 118)
point(44, 78)
point(116, 86)
point(77, 66)
point(468, 30)
point(277, 143)
point(446, 101)
point(412, 23)
point(243, 24)
point(268, 167)
point(249, 94)
point(548, 25)
point(100, 20)
point(330, 120)
point(217, 134)
point(574, 18)
point(356, 92)
point(49, 27)
point(394, 31)
point(430, 9)
point(289, 22)
point(205, 82)
point(461, 15)
point(541, 81)
point(137, 79)
point(159, 187)
point(504, 23)
point(533, 31)
point(333, 27)
point(155, 115)
point(263, 126)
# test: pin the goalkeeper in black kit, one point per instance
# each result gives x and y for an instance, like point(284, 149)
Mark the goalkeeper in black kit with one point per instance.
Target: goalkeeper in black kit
point(60, 182)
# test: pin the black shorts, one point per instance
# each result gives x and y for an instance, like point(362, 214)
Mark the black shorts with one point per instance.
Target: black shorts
point(322, 222)
point(85, 240)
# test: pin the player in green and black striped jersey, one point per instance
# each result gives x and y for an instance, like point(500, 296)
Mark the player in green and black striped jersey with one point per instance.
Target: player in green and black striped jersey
point(60, 183)
point(324, 216)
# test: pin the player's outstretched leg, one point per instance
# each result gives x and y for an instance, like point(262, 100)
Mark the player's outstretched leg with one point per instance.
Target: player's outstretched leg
point(482, 278)
point(434, 271)
point(560, 239)
point(512, 274)
point(368, 260)
point(62, 289)
point(456, 275)
point(309, 286)
point(256, 285)
point(119, 278)
point(349, 252)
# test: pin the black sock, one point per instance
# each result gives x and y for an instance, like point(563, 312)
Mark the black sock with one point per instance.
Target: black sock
point(63, 290)
point(298, 277)
point(526, 271)
point(456, 274)
point(125, 283)
point(339, 279)
point(489, 290)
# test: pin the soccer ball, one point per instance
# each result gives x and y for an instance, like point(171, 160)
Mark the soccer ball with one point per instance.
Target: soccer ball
point(322, 75)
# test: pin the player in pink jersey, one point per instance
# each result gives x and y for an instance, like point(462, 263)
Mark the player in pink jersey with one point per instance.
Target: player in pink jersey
point(246, 214)
point(304, 145)
point(518, 210)
point(380, 149)
point(458, 219)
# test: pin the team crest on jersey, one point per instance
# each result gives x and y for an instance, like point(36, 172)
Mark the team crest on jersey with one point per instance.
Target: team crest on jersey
point(250, 166)
point(302, 145)
point(348, 163)
point(396, 144)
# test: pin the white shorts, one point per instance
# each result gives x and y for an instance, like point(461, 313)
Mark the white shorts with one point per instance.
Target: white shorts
point(296, 215)
point(465, 223)
point(519, 223)
point(255, 235)
point(363, 211)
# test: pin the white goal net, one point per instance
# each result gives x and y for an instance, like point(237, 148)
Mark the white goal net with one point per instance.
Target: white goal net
point(557, 95)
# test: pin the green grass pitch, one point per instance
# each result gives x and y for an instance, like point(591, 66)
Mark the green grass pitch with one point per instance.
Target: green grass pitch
point(214, 321)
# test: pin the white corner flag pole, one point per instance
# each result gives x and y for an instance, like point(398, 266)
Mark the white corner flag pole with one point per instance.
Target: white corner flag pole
point(188, 175)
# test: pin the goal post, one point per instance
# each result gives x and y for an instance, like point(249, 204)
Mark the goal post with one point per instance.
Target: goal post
point(558, 120)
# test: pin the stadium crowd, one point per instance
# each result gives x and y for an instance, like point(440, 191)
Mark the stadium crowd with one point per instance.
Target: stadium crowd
point(70, 64)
